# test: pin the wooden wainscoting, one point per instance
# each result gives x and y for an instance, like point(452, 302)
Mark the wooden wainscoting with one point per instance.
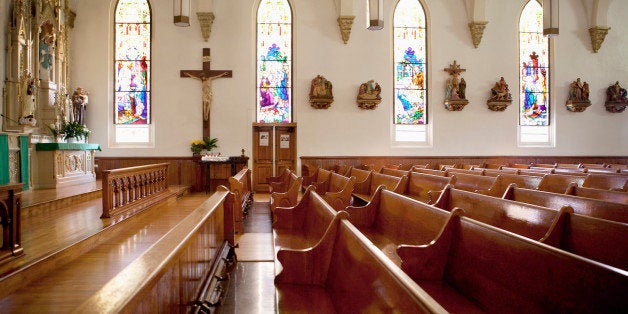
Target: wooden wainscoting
point(377, 162)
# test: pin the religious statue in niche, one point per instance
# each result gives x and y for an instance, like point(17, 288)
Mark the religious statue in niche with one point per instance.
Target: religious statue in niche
point(79, 105)
point(455, 89)
point(500, 96)
point(46, 50)
point(28, 90)
point(578, 96)
point(321, 95)
point(616, 98)
point(369, 95)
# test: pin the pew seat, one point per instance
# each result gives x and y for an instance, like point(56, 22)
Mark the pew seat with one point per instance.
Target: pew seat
point(605, 195)
point(364, 191)
point(391, 219)
point(345, 273)
point(581, 205)
point(500, 272)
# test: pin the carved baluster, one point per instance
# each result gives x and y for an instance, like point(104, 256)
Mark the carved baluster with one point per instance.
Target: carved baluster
point(132, 194)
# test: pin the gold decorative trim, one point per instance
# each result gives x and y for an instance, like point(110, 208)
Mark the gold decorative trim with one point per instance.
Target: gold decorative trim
point(205, 21)
point(71, 18)
point(598, 33)
point(477, 31)
point(345, 22)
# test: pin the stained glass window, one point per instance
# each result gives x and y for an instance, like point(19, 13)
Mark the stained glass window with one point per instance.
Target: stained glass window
point(274, 61)
point(534, 71)
point(132, 62)
point(410, 63)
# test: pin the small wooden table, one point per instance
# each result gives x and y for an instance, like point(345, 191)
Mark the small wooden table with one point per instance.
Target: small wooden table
point(205, 166)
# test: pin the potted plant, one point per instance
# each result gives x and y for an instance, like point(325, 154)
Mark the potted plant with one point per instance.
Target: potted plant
point(72, 131)
point(207, 144)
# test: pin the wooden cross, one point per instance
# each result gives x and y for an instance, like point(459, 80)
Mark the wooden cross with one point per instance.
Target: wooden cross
point(206, 75)
point(454, 69)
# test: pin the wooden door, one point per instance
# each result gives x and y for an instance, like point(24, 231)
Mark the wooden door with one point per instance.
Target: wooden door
point(274, 149)
point(285, 147)
point(263, 143)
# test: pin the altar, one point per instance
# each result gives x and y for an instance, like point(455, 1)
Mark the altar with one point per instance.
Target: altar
point(63, 164)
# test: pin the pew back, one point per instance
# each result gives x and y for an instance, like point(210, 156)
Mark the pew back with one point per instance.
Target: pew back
point(421, 184)
point(558, 183)
point(394, 172)
point(606, 182)
point(338, 195)
point(504, 180)
point(472, 182)
point(605, 195)
point(240, 186)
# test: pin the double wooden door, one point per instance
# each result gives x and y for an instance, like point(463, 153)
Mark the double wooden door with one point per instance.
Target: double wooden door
point(274, 149)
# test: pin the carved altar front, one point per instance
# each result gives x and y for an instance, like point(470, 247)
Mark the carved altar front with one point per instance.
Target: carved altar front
point(63, 164)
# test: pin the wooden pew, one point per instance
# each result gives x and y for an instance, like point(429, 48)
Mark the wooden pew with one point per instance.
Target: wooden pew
point(394, 172)
point(528, 220)
point(496, 172)
point(605, 195)
point(345, 273)
point(390, 219)
point(280, 183)
point(572, 171)
point(289, 197)
point(319, 177)
point(472, 182)
point(133, 189)
point(426, 166)
point(475, 267)
point(425, 187)
point(504, 180)
point(11, 220)
point(431, 171)
point(603, 170)
point(477, 172)
point(364, 190)
point(539, 172)
point(240, 186)
point(558, 183)
point(606, 182)
point(359, 174)
point(581, 205)
point(337, 193)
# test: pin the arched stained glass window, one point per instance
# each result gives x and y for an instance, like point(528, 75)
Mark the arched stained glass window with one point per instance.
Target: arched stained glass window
point(274, 61)
point(132, 62)
point(410, 62)
point(534, 71)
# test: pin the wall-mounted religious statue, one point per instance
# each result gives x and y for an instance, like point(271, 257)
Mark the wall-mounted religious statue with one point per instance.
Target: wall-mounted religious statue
point(321, 95)
point(47, 39)
point(616, 98)
point(500, 96)
point(28, 90)
point(369, 95)
point(578, 99)
point(455, 90)
point(79, 105)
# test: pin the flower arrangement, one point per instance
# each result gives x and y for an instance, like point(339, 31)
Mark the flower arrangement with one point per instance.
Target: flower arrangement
point(74, 129)
point(198, 145)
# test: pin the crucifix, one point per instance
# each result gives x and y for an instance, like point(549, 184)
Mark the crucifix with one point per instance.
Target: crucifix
point(206, 76)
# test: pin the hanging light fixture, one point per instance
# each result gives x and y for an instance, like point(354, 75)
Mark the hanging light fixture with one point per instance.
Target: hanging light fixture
point(550, 18)
point(374, 14)
point(182, 12)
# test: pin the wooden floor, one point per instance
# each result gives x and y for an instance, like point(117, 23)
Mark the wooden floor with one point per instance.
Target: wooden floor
point(48, 226)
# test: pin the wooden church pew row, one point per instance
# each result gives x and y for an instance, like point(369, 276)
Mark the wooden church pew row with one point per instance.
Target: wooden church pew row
point(394, 172)
point(319, 177)
point(425, 166)
point(606, 182)
point(603, 170)
point(543, 166)
point(338, 191)
point(504, 180)
point(345, 273)
point(528, 220)
point(153, 282)
point(539, 172)
point(602, 241)
point(289, 197)
point(364, 190)
point(496, 172)
point(240, 186)
point(423, 187)
point(473, 266)
point(472, 182)
point(593, 166)
point(605, 195)
point(558, 183)
point(451, 171)
point(583, 172)
point(391, 219)
point(581, 205)
point(303, 225)
point(280, 183)
point(359, 174)
point(430, 171)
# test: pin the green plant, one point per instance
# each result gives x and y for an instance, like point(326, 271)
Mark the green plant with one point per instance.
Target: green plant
point(210, 143)
point(73, 129)
point(198, 145)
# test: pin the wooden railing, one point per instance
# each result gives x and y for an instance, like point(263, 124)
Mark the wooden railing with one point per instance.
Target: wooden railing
point(133, 188)
point(10, 212)
point(170, 276)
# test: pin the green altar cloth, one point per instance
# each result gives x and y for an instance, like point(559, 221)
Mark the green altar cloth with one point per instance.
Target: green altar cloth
point(66, 146)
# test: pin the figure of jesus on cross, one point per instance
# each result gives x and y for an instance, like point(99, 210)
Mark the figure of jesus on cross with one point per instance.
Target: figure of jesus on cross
point(206, 76)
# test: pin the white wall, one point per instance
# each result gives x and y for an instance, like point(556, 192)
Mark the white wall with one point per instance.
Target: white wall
point(344, 129)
